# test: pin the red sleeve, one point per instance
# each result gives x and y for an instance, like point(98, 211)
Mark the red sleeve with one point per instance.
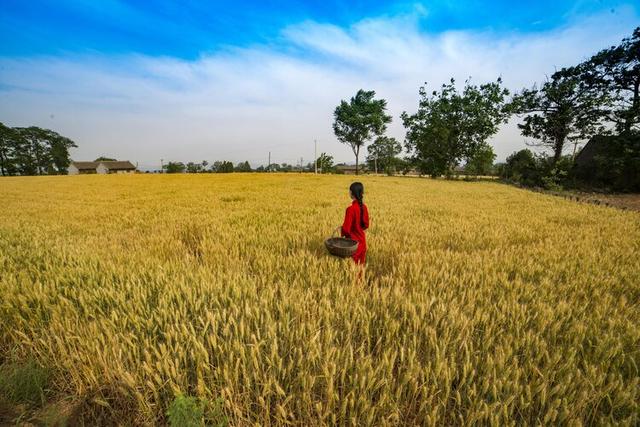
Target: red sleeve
point(366, 217)
point(348, 221)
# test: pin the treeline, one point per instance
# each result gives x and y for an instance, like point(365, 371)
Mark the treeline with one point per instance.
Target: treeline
point(228, 167)
point(33, 151)
point(597, 100)
point(324, 164)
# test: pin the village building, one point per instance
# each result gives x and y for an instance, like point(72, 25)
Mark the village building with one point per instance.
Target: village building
point(102, 167)
point(594, 147)
point(349, 169)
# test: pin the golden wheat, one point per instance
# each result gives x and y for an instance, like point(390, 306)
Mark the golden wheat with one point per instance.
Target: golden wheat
point(481, 304)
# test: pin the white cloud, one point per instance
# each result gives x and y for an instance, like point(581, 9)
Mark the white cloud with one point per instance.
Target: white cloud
point(239, 104)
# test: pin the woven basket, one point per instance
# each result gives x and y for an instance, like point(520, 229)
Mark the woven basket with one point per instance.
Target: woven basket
point(341, 246)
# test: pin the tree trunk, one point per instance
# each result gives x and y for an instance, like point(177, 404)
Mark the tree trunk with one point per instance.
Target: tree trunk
point(357, 153)
point(557, 150)
point(635, 106)
point(2, 162)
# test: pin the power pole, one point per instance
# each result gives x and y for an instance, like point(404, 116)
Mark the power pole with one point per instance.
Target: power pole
point(269, 164)
point(161, 165)
point(315, 155)
point(375, 162)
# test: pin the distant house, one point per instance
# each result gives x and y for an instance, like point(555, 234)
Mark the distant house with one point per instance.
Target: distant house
point(77, 168)
point(349, 169)
point(593, 148)
point(103, 167)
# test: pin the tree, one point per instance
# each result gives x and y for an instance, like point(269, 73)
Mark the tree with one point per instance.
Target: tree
point(243, 167)
point(223, 166)
point(284, 167)
point(33, 151)
point(104, 159)
point(450, 126)
point(614, 73)
point(8, 143)
point(325, 163)
point(522, 167)
point(481, 162)
point(359, 120)
point(193, 167)
point(561, 111)
point(383, 154)
point(42, 151)
point(59, 151)
point(174, 167)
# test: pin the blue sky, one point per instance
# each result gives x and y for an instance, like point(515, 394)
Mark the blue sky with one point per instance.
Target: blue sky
point(186, 29)
point(227, 79)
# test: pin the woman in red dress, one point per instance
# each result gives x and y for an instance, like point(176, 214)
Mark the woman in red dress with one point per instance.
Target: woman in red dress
point(356, 221)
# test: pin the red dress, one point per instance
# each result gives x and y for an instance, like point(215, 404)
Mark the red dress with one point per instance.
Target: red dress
point(352, 229)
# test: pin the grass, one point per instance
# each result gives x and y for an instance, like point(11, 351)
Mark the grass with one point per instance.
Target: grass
point(481, 303)
point(23, 382)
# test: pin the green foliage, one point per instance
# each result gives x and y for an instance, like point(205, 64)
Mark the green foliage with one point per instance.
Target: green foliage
point(23, 382)
point(189, 411)
point(33, 151)
point(174, 167)
point(530, 170)
point(555, 173)
point(104, 159)
point(8, 142)
point(481, 162)
point(325, 163)
point(522, 167)
point(616, 164)
point(186, 411)
point(615, 72)
point(450, 125)
point(222, 167)
point(193, 167)
point(243, 167)
point(383, 154)
point(273, 167)
point(360, 119)
point(562, 110)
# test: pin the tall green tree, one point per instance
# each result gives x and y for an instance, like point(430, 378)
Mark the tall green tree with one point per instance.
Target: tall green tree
point(613, 75)
point(451, 125)
point(325, 163)
point(563, 110)
point(243, 167)
point(481, 162)
point(383, 154)
point(42, 151)
point(9, 141)
point(359, 120)
point(222, 166)
point(174, 167)
point(193, 167)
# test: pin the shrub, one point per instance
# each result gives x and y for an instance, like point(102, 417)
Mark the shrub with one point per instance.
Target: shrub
point(523, 167)
point(23, 382)
point(615, 165)
point(187, 411)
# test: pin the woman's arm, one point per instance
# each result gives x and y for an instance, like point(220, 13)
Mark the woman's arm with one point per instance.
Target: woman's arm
point(346, 224)
point(366, 217)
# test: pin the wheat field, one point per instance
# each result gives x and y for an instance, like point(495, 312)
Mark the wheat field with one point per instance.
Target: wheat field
point(481, 303)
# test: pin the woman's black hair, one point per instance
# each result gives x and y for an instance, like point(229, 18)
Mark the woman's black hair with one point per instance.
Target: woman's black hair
point(357, 190)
